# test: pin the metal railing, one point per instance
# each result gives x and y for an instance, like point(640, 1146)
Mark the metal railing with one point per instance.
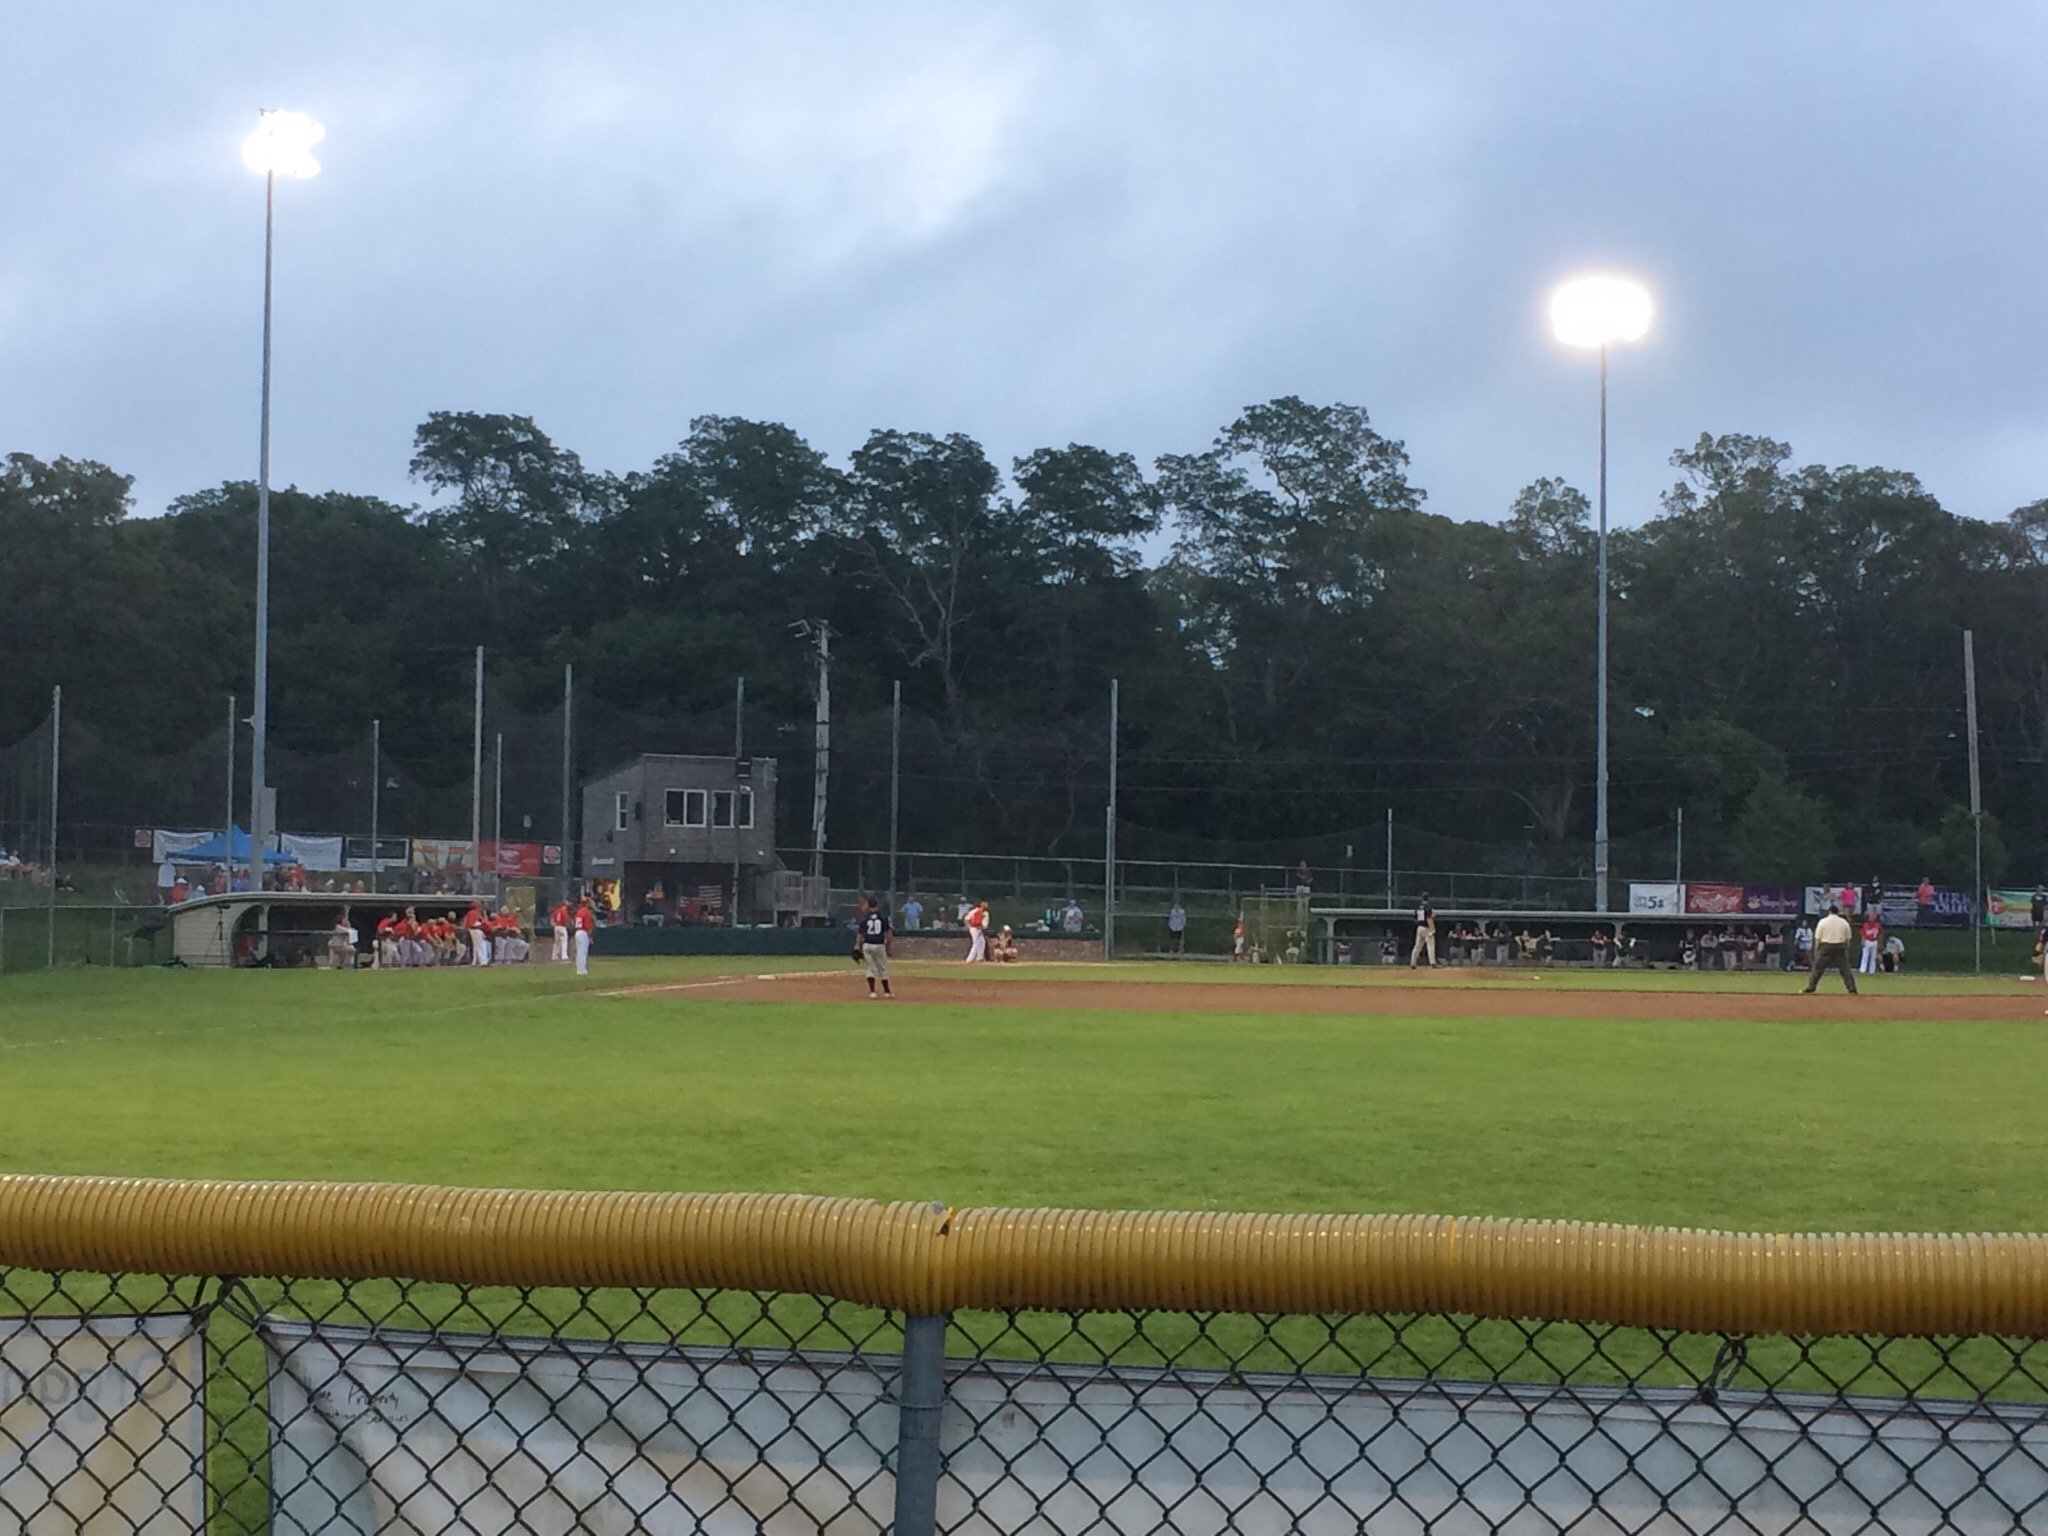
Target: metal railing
point(334, 1358)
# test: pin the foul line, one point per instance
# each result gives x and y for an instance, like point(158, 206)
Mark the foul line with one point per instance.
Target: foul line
point(656, 988)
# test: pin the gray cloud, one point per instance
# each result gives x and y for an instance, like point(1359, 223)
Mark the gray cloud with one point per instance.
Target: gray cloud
point(1035, 223)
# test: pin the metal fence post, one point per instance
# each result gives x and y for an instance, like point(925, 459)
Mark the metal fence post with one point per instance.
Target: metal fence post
point(921, 1390)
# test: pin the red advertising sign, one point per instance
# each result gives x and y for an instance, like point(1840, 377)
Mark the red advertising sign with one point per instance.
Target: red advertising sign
point(513, 861)
point(1713, 900)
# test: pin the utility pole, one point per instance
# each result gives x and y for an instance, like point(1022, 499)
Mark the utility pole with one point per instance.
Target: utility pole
point(476, 779)
point(497, 812)
point(1109, 840)
point(821, 751)
point(1390, 858)
point(227, 836)
point(56, 760)
point(376, 796)
point(895, 779)
point(1678, 859)
point(568, 767)
point(1976, 800)
point(739, 726)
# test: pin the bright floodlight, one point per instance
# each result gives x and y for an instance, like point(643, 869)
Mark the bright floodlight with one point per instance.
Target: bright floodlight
point(1593, 311)
point(282, 145)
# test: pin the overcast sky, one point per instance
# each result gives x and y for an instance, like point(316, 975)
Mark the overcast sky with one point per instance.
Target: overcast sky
point(1035, 223)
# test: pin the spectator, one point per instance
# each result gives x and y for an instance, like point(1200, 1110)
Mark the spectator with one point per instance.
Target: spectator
point(1802, 944)
point(912, 915)
point(1237, 938)
point(166, 878)
point(1923, 901)
point(1873, 896)
point(1894, 955)
point(2040, 906)
point(1710, 948)
point(1599, 948)
point(1177, 927)
point(1304, 882)
point(1071, 919)
point(1847, 897)
point(1872, 933)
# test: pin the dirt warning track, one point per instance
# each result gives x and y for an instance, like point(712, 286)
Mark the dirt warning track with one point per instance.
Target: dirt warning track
point(1513, 997)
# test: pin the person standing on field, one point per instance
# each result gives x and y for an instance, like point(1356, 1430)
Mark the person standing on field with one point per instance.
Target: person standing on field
point(874, 948)
point(1831, 950)
point(977, 932)
point(1872, 934)
point(558, 920)
point(1425, 933)
point(1177, 927)
point(585, 922)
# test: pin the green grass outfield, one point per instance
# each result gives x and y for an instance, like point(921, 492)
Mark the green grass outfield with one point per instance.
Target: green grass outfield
point(527, 1077)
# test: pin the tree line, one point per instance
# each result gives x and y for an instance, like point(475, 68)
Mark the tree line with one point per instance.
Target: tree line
point(1300, 642)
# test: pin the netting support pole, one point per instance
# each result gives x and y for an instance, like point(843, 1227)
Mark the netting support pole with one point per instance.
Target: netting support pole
point(56, 776)
point(920, 1392)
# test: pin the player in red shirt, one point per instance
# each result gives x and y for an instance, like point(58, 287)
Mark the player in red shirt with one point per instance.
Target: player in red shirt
point(586, 924)
point(476, 930)
point(387, 942)
point(1872, 934)
point(558, 919)
point(508, 939)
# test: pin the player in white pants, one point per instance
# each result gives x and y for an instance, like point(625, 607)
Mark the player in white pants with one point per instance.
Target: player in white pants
point(585, 920)
point(977, 933)
point(558, 920)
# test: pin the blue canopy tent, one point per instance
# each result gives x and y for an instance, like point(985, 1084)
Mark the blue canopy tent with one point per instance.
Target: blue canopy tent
point(215, 851)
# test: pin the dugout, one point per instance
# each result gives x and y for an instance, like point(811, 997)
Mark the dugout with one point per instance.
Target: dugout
point(287, 928)
point(1365, 930)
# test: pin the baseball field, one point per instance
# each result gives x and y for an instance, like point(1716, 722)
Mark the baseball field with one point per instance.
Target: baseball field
point(1657, 1098)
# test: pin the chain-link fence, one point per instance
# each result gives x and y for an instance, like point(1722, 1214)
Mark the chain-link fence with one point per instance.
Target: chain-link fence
point(34, 938)
point(1794, 1385)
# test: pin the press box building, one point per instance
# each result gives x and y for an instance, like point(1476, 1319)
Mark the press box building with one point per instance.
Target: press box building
point(679, 823)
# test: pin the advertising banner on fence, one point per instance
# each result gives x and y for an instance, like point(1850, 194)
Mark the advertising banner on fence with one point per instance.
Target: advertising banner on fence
point(1772, 900)
point(2008, 907)
point(1649, 900)
point(443, 853)
point(313, 852)
point(512, 861)
point(392, 853)
point(166, 844)
point(1820, 897)
point(374, 1431)
point(102, 1427)
point(1708, 900)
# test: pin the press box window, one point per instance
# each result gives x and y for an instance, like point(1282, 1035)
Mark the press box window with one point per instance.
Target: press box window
point(620, 805)
point(684, 808)
point(722, 808)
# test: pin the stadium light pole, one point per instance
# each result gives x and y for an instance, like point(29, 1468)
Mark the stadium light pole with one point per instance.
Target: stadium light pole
point(1595, 312)
point(282, 145)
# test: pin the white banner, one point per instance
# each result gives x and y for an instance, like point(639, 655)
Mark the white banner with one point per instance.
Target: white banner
point(378, 1432)
point(312, 852)
point(1655, 900)
point(102, 1427)
point(168, 845)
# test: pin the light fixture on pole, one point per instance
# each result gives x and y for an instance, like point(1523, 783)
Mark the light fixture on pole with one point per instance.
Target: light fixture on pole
point(1595, 312)
point(282, 145)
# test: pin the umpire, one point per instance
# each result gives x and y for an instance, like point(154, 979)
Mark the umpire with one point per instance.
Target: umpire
point(874, 948)
point(1831, 950)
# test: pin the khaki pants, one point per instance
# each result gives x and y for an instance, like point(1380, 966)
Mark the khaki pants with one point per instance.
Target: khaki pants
point(875, 961)
point(1425, 939)
point(1830, 957)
